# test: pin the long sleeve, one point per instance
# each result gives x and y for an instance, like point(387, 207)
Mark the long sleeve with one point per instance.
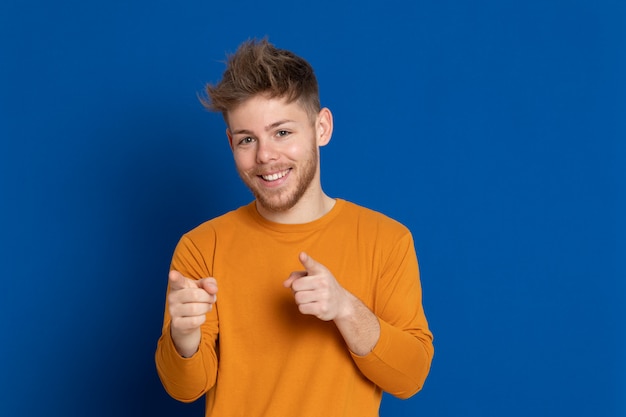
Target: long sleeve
point(187, 379)
point(400, 361)
point(273, 360)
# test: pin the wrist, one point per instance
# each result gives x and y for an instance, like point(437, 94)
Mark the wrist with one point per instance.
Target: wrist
point(186, 344)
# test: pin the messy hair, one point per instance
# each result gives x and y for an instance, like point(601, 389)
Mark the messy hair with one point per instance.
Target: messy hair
point(258, 67)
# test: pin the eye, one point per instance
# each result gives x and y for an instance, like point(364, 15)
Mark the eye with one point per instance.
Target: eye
point(246, 140)
point(282, 133)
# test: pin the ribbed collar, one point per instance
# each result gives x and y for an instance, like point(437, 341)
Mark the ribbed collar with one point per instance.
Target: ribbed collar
point(316, 224)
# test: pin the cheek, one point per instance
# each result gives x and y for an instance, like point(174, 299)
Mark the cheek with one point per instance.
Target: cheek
point(297, 151)
point(243, 160)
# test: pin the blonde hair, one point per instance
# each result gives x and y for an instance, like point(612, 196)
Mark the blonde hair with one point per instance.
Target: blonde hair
point(258, 67)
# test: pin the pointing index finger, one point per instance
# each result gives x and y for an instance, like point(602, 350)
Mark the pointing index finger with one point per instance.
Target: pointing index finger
point(309, 263)
point(292, 277)
point(178, 282)
point(209, 285)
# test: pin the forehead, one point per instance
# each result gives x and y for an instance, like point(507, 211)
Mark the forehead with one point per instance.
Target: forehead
point(261, 110)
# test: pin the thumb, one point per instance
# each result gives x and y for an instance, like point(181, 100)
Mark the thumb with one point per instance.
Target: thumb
point(310, 264)
point(178, 282)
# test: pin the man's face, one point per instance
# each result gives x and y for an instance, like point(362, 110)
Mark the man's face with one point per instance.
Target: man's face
point(275, 148)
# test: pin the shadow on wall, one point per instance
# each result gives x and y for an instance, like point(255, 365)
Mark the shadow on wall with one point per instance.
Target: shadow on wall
point(146, 186)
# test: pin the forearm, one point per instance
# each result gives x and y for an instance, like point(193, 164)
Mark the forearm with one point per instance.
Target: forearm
point(185, 379)
point(187, 361)
point(186, 344)
point(358, 326)
point(400, 361)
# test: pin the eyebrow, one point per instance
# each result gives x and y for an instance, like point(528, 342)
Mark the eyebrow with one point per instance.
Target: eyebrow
point(267, 128)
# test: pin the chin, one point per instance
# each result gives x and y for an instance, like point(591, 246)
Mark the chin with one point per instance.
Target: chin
point(276, 206)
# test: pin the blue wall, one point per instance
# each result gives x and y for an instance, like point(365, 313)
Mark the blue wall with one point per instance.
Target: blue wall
point(494, 129)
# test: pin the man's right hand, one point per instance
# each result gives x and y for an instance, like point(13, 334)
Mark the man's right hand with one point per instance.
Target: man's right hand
point(189, 301)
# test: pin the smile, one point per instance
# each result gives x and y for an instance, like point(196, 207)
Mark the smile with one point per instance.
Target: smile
point(276, 176)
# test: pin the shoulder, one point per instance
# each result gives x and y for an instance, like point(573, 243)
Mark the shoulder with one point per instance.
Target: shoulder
point(224, 222)
point(370, 218)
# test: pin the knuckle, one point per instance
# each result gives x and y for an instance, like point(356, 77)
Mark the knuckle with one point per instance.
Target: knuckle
point(173, 309)
point(172, 298)
point(196, 309)
point(298, 297)
point(195, 296)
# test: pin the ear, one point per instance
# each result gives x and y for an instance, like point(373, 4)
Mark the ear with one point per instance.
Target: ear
point(324, 126)
point(230, 138)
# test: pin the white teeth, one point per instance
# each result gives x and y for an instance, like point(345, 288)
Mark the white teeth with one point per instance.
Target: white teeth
point(274, 177)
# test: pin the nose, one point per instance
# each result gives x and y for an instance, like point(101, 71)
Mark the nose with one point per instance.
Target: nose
point(266, 151)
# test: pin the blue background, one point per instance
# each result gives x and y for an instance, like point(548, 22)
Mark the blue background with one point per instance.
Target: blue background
point(494, 129)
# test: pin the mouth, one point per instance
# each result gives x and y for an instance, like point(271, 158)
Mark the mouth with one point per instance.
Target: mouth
point(275, 176)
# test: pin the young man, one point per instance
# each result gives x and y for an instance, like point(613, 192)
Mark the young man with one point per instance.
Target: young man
point(319, 308)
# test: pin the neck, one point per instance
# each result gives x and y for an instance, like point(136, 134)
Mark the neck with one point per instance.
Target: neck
point(305, 211)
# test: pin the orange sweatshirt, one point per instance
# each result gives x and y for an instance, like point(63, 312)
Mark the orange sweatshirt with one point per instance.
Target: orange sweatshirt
point(259, 356)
